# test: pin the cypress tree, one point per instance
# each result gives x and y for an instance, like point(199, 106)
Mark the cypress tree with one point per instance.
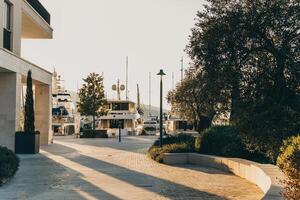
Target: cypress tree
point(29, 106)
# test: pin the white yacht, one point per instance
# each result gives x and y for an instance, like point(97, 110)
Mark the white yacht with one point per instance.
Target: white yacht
point(120, 114)
point(65, 118)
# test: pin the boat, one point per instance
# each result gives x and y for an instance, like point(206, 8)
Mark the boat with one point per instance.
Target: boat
point(65, 118)
point(120, 115)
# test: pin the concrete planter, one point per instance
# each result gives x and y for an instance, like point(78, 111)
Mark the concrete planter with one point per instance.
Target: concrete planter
point(27, 143)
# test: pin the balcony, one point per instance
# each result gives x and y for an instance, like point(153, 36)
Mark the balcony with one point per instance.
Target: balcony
point(35, 21)
point(40, 9)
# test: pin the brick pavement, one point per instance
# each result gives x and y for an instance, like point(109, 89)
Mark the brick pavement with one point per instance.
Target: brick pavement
point(104, 169)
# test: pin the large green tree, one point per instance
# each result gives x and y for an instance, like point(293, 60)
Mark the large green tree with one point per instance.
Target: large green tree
point(195, 100)
point(250, 50)
point(91, 96)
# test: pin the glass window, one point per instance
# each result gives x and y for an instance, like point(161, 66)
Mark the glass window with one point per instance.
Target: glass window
point(7, 16)
point(120, 106)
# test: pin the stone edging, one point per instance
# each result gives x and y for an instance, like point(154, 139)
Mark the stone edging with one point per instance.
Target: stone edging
point(266, 177)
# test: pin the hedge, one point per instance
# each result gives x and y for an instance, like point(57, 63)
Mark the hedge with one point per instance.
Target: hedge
point(9, 164)
point(94, 134)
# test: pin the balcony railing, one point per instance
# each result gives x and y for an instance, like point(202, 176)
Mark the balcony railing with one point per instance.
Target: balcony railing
point(40, 9)
point(6, 39)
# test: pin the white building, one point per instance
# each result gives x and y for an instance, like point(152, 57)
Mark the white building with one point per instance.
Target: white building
point(22, 19)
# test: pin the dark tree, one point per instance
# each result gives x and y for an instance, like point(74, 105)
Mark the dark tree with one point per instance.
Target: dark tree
point(29, 107)
point(92, 96)
point(250, 51)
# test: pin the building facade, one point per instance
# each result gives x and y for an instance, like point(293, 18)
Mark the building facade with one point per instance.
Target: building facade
point(22, 19)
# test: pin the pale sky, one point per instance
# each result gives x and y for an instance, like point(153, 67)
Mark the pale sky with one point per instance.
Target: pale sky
point(97, 35)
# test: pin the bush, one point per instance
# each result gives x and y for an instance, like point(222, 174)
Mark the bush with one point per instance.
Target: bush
point(95, 134)
point(177, 139)
point(9, 164)
point(157, 153)
point(181, 143)
point(222, 141)
point(289, 163)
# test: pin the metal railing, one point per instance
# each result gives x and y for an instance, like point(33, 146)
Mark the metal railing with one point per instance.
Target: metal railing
point(40, 9)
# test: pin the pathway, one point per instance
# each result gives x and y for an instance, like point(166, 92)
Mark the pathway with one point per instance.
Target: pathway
point(104, 169)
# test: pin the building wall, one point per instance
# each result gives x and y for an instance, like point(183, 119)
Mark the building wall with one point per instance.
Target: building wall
point(16, 25)
point(9, 107)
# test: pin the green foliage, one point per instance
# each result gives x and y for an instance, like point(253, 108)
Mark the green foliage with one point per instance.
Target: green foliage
point(177, 139)
point(181, 143)
point(9, 164)
point(227, 141)
point(29, 107)
point(289, 163)
point(222, 141)
point(91, 96)
point(193, 100)
point(94, 134)
point(197, 144)
point(249, 53)
point(157, 153)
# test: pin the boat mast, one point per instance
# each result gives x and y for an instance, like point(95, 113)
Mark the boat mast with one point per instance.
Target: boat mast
point(181, 68)
point(118, 90)
point(150, 107)
point(126, 77)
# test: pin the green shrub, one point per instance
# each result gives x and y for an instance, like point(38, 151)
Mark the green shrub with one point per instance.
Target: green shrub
point(9, 164)
point(177, 139)
point(94, 134)
point(289, 163)
point(181, 143)
point(157, 153)
point(222, 141)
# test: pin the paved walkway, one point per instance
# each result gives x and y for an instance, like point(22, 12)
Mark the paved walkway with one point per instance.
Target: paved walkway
point(104, 169)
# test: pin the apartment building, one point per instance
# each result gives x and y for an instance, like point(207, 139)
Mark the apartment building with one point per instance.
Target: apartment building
point(22, 19)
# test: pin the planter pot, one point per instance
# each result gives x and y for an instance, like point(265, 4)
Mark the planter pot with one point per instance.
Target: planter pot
point(27, 143)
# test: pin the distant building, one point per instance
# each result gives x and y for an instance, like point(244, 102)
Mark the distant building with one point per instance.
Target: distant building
point(22, 19)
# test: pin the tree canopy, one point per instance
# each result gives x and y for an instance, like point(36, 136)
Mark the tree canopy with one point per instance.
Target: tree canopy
point(248, 53)
point(91, 96)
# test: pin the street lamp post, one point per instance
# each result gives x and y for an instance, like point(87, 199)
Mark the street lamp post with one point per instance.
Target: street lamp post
point(119, 123)
point(161, 74)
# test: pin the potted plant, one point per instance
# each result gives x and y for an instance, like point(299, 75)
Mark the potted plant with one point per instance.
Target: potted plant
point(28, 141)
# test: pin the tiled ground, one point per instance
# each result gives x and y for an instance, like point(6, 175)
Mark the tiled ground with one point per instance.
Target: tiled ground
point(105, 169)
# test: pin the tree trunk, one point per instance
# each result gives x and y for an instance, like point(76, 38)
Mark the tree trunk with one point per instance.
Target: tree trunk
point(94, 124)
point(204, 123)
point(235, 100)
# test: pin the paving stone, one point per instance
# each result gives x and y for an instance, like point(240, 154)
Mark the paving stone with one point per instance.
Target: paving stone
point(75, 169)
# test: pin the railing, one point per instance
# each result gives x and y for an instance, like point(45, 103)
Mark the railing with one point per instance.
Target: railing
point(40, 9)
point(6, 39)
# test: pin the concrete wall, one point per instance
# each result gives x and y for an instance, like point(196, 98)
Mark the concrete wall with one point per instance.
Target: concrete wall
point(43, 114)
point(9, 107)
point(266, 177)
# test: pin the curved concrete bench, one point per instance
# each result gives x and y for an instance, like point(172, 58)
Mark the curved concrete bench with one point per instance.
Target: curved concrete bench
point(266, 177)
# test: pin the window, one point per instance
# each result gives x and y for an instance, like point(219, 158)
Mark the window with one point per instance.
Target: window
point(7, 16)
point(7, 21)
point(116, 123)
point(120, 106)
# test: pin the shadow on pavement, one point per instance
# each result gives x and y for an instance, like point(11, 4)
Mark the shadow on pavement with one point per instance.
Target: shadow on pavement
point(150, 183)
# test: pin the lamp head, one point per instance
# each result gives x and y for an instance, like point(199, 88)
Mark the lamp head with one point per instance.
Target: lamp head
point(161, 73)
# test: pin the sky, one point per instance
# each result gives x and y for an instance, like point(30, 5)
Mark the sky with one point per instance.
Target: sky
point(97, 35)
